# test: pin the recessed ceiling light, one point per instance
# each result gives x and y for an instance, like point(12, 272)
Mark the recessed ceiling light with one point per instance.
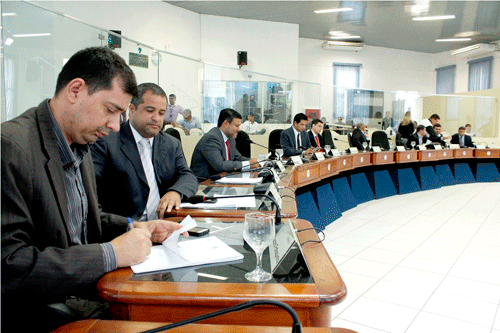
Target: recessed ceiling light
point(9, 14)
point(434, 18)
point(32, 35)
point(8, 41)
point(345, 37)
point(453, 40)
point(467, 34)
point(337, 33)
point(333, 10)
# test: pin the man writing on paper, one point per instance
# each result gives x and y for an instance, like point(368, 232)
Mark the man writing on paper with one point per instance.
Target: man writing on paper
point(216, 151)
point(295, 140)
point(56, 242)
point(141, 171)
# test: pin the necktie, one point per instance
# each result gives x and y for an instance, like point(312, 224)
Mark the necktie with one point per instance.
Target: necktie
point(317, 141)
point(146, 153)
point(461, 141)
point(227, 150)
point(298, 141)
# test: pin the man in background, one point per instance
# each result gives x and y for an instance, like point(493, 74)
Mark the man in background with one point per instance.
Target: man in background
point(295, 140)
point(419, 137)
point(250, 126)
point(387, 121)
point(359, 136)
point(438, 129)
point(173, 111)
point(141, 171)
point(315, 136)
point(462, 139)
point(429, 127)
point(468, 130)
point(188, 122)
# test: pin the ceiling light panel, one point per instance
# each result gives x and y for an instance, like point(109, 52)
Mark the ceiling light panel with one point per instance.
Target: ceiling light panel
point(434, 18)
point(333, 10)
point(453, 40)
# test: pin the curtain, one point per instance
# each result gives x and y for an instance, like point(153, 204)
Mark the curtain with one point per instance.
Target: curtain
point(480, 74)
point(445, 80)
point(344, 76)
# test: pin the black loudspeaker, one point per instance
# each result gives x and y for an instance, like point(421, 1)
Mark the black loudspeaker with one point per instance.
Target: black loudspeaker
point(242, 58)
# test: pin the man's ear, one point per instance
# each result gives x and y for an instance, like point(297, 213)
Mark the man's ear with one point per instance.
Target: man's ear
point(74, 89)
point(131, 108)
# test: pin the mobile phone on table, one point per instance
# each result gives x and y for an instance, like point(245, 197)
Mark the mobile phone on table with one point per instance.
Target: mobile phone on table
point(198, 231)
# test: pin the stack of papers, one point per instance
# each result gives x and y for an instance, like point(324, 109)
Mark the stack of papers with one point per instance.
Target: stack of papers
point(173, 254)
point(226, 203)
point(243, 180)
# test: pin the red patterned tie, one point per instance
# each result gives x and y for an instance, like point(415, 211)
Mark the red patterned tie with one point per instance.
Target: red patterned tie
point(227, 146)
point(317, 142)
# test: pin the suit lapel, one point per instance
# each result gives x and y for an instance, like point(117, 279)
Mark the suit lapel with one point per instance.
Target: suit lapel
point(218, 134)
point(131, 151)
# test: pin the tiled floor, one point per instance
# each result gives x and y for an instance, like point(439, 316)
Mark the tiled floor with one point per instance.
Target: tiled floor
point(422, 262)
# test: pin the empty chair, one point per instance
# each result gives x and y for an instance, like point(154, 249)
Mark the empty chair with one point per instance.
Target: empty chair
point(243, 144)
point(349, 137)
point(327, 137)
point(196, 131)
point(379, 138)
point(274, 141)
point(173, 132)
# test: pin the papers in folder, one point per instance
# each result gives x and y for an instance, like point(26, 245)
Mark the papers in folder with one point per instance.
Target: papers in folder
point(173, 254)
point(243, 179)
point(226, 203)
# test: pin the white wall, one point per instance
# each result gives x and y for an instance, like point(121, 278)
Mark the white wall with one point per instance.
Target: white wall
point(462, 70)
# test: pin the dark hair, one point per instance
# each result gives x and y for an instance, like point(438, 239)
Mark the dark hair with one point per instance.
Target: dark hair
point(229, 115)
point(437, 125)
point(97, 66)
point(468, 125)
point(172, 95)
point(315, 121)
point(435, 116)
point(420, 127)
point(299, 117)
point(461, 128)
point(145, 87)
point(250, 114)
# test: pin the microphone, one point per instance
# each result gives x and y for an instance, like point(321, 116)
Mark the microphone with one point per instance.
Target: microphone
point(296, 326)
point(258, 144)
point(337, 139)
point(206, 199)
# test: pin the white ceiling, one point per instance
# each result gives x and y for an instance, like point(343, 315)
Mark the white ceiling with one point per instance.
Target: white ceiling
point(379, 23)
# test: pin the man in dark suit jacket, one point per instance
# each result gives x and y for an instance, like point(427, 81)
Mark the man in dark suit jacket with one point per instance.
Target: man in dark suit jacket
point(210, 156)
point(419, 137)
point(56, 242)
point(358, 137)
point(462, 139)
point(289, 137)
point(315, 137)
point(429, 127)
point(122, 183)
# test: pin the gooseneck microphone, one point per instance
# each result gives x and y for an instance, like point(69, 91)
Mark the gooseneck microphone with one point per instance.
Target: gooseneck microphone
point(296, 326)
point(258, 144)
point(195, 199)
point(337, 139)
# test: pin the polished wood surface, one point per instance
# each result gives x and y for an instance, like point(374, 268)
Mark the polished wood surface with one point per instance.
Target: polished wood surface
point(385, 157)
point(406, 156)
point(463, 153)
point(427, 155)
point(445, 154)
point(108, 326)
point(174, 301)
point(487, 153)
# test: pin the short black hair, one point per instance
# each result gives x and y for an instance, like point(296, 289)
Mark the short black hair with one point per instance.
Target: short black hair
point(229, 115)
point(461, 128)
point(315, 121)
point(420, 127)
point(145, 87)
point(172, 95)
point(437, 125)
point(97, 66)
point(435, 116)
point(299, 117)
point(468, 125)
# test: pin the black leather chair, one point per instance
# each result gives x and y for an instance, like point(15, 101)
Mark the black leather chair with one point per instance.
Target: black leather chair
point(399, 139)
point(327, 137)
point(274, 141)
point(243, 145)
point(173, 132)
point(349, 137)
point(379, 138)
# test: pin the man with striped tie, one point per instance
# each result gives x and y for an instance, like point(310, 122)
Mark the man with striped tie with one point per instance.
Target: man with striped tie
point(140, 171)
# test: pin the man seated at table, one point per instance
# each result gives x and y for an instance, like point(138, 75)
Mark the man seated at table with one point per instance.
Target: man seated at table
point(442, 138)
point(56, 241)
point(216, 151)
point(141, 171)
point(315, 136)
point(419, 137)
point(461, 138)
point(188, 122)
point(429, 127)
point(359, 136)
point(250, 126)
point(295, 140)
point(468, 130)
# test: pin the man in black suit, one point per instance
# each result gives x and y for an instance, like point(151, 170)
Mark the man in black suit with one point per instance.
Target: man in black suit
point(438, 129)
point(429, 127)
point(419, 137)
point(56, 241)
point(358, 137)
point(315, 136)
point(216, 151)
point(294, 140)
point(461, 138)
point(142, 182)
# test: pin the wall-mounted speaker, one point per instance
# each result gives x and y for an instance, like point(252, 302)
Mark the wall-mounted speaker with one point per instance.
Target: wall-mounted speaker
point(242, 58)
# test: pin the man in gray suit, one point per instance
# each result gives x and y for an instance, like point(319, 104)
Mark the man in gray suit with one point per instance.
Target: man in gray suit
point(216, 151)
point(295, 140)
point(140, 181)
point(56, 242)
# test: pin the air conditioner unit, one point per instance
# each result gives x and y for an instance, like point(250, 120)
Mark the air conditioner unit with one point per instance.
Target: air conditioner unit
point(343, 46)
point(475, 50)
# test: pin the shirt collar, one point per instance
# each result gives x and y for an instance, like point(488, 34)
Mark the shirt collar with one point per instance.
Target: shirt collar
point(139, 137)
point(224, 137)
point(295, 131)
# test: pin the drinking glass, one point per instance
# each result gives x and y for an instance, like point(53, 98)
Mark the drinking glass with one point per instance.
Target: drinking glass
point(413, 143)
point(327, 149)
point(391, 145)
point(258, 232)
point(279, 152)
point(492, 145)
point(365, 144)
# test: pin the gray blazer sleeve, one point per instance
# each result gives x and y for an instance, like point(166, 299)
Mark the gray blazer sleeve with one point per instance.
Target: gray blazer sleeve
point(288, 145)
point(212, 151)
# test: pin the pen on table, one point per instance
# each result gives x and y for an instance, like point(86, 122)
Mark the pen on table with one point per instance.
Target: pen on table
point(130, 223)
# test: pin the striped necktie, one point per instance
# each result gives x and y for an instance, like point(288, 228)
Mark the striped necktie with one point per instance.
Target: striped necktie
point(146, 151)
point(227, 150)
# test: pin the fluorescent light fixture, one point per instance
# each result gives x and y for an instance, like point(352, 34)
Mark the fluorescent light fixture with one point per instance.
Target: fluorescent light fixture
point(338, 33)
point(344, 37)
point(453, 40)
point(333, 10)
point(434, 18)
point(466, 49)
point(8, 41)
point(9, 14)
point(32, 35)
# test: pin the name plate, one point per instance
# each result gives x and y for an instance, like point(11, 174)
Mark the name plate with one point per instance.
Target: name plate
point(320, 156)
point(280, 166)
point(353, 150)
point(400, 148)
point(422, 147)
point(454, 146)
point(438, 147)
point(274, 192)
point(480, 146)
point(276, 176)
point(335, 152)
point(376, 149)
point(281, 245)
point(296, 160)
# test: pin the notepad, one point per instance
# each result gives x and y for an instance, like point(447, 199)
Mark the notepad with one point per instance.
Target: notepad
point(243, 180)
point(173, 254)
